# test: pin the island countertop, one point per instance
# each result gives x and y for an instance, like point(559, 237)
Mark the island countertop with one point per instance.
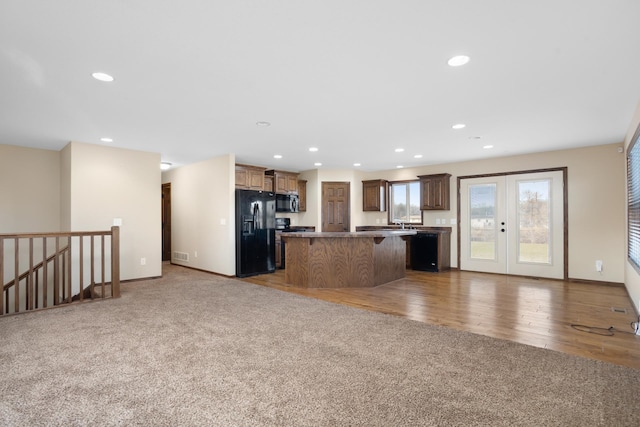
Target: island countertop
point(344, 235)
point(343, 259)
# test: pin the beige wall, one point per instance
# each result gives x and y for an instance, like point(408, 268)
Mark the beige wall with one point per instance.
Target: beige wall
point(29, 190)
point(312, 216)
point(315, 178)
point(203, 214)
point(108, 183)
point(631, 276)
point(83, 188)
point(596, 201)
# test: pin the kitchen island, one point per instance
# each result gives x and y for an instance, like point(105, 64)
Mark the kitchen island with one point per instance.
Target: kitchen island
point(345, 260)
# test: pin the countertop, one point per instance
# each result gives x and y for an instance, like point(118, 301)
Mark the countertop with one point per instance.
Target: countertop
point(357, 234)
point(418, 228)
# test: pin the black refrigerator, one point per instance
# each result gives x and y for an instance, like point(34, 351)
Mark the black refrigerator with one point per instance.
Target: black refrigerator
point(255, 232)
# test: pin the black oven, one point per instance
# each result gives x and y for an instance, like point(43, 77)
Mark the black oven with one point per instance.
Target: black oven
point(283, 224)
point(286, 203)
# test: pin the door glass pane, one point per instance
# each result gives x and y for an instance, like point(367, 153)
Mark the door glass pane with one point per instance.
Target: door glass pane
point(534, 231)
point(482, 206)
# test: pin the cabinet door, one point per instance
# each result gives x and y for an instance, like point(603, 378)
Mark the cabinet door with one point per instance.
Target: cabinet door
point(278, 253)
point(242, 178)
point(302, 193)
point(374, 195)
point(256, 179)
point(292, 184)
point(435, 191)
point(280, 183)
point(268, 183)
point(249, 177)
point(438, 193)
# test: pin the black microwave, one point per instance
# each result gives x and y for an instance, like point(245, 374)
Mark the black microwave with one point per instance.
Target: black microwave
point(287, 203)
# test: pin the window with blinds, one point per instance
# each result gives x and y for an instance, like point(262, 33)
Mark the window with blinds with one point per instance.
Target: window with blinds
point(633, 200)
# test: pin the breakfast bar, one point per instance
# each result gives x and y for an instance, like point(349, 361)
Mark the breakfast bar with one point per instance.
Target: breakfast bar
point(345, 260)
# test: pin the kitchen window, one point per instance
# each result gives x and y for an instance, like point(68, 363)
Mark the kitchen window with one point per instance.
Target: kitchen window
point(404, 202)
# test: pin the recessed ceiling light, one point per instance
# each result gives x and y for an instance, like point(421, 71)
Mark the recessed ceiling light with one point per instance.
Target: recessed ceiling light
point(317, 164)
point(457, 61)
point(165, 165)
point(399, 150)
point(356, 164)
point(106, 139)
point(263, 124)
point(486, 147)
point(417, 156)
point(459, 126)
point(399, 166)
point(313, 149)
point(103, 77)
point(277, 156)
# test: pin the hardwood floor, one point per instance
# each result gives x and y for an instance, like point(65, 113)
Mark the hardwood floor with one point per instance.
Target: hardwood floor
point(530, 311)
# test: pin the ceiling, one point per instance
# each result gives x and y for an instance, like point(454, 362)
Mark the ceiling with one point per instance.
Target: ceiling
point(355, 79)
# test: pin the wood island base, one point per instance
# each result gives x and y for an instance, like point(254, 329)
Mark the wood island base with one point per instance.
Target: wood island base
point(345, 260)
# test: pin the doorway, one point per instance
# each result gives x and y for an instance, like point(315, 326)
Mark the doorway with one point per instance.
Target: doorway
point(336, 213)
point(166, 222)
point(514, 223)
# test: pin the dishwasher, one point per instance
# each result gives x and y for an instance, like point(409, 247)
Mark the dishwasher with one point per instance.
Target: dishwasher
point(424, 252)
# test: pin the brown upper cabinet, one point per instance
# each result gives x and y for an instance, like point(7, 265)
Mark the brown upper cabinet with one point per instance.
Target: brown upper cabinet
point(284, 182)
point(268, 183)
point(249, 177)
point(434, 191)
point(302, 195)
point(374, 195)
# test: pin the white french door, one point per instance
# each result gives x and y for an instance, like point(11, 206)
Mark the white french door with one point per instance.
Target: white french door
point(513, 224)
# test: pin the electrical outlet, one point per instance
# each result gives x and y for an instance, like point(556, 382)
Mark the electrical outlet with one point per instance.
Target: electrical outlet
point(143, 261)
point(195, 254)
point(599, 265)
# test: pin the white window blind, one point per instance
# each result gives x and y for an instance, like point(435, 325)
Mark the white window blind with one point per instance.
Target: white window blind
point(633, 200)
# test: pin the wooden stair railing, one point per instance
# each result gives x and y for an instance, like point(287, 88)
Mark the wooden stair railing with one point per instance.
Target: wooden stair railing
point(54, 279)
point(30, 273)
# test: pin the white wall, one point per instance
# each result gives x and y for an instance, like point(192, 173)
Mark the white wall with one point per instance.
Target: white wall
point(631, 276)
point(108, 183)
point(203, 214)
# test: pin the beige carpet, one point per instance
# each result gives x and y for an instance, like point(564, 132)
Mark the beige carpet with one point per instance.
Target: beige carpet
point(196, 349)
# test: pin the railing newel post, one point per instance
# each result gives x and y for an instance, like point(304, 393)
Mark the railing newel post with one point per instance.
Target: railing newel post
point(115, 262)
point(16, 283)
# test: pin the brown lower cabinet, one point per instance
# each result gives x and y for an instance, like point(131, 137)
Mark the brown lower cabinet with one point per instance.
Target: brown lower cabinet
point(431, 250)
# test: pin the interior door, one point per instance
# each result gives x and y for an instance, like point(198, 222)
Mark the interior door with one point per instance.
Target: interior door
point(166, 222)
point(336, 214)
point(513, 224)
